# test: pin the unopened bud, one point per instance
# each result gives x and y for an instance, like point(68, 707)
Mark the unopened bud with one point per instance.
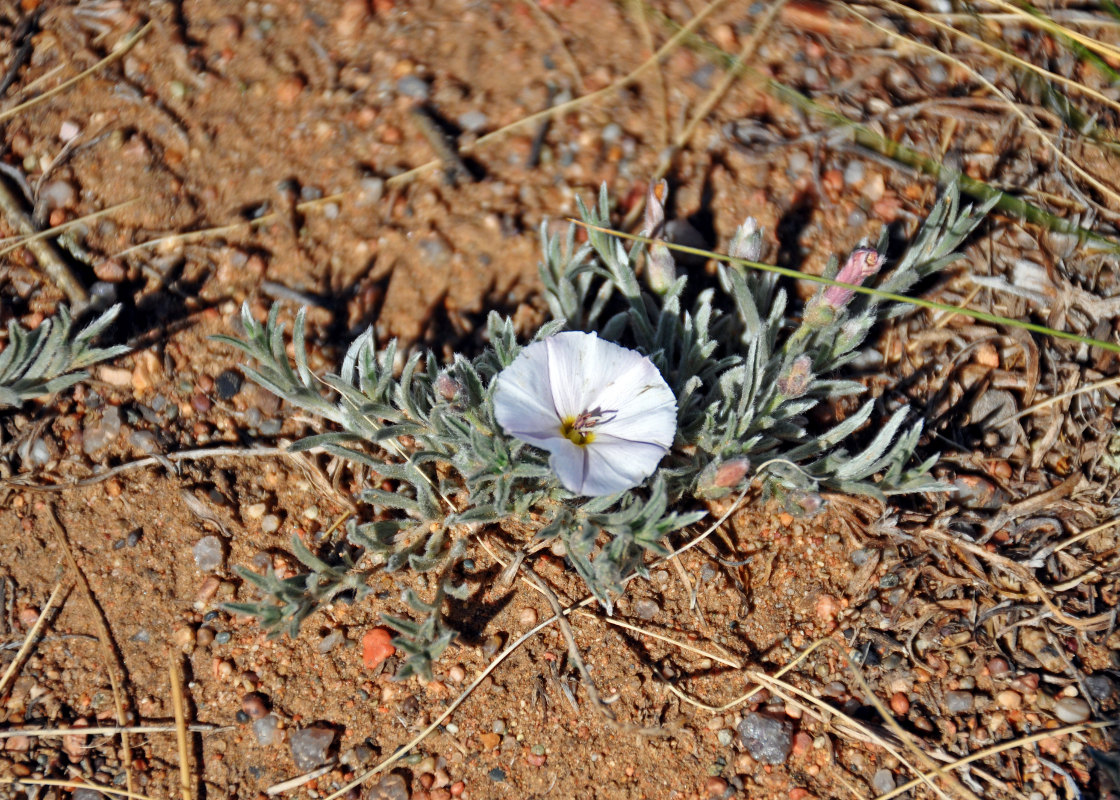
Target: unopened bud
point(861, 265)
point(448, 387)
point(804, 504)
point(796, 378)
point(720, 478)
point(661, 269)
point(747, 241)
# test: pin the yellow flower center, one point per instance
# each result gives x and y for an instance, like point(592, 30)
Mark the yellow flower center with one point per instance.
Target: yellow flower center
point(577, 430)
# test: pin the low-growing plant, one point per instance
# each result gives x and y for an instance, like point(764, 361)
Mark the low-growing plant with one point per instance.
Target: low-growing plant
point(51, 357)
point(611, 428)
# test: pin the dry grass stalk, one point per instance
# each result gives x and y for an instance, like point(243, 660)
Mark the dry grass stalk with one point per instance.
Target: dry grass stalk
point(60, 588)
point(105, 638)
point(180, 727)
point(1049, 141)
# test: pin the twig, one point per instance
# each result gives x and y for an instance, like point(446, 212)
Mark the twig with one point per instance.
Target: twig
point(617, 622)
point(296, 782)
point(48, 256)
point(119, 52)
point(189, 455)
point(1002, 747)
point(1092, 387)
point(10, 672)
point(109, 652)
point(571, 105)
point(404, 749)
point(113, 730)
point(180, 726)
point(113, 790)
point(713, 98)
point(576, 657)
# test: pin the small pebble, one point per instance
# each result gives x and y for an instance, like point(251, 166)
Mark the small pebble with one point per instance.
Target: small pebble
point(228, 384)
point(768, 740)
point(883, 781)
point(58, 194)
point(646, 609)
point(270, 523)
point(204, 636)
point(716, 786)
point(390, 787)
point(223, 637)
point(255, 511)
point(527, 617)
point(998, 666)
point(209, 553)
point(311, 746)
point(1071, 710)
point(473, 121)
point(255, 705)
point(900, 704)
point(1009, 699)
point(267, 730)
point(491, 645)
point(331, 641)
point(68, 130)
point(958, 702)
point(457, 674)
point(377, 646)
point(414, 86)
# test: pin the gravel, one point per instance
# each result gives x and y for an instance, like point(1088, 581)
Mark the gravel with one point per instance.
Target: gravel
point(1071, 710)
point(311, 746)
point(768, 740)
point(267, 730)
point(958, 702)
point(209, 553)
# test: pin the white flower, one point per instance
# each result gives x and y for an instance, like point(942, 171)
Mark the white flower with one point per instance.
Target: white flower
point(604, 412)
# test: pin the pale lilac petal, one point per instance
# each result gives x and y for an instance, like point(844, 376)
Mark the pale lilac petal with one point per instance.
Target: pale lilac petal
point(616, 465)
point(522, 399)
point(570, 463)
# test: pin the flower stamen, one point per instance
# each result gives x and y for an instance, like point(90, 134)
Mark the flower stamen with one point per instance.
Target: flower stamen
point(580, 430)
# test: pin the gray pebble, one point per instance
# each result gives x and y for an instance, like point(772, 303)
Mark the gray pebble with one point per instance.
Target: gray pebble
point(370, 190)
point(267, 730)
point(58, 194)
point(646, 609)
point(311, 747)
point(883, 781)
point(415, 87)
point(209, 553)
point(473, 121)
point(724, 736)
point(39, 453)
point(1071, 710)
point(330, 641)
point(102, 433)
point(958, 702)
point(144, 441)
point(391, 787)
point(854, 172)
point(768, 740)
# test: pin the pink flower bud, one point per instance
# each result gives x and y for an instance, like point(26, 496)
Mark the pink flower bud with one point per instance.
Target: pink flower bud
point(718, 479)
point(861, 265)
